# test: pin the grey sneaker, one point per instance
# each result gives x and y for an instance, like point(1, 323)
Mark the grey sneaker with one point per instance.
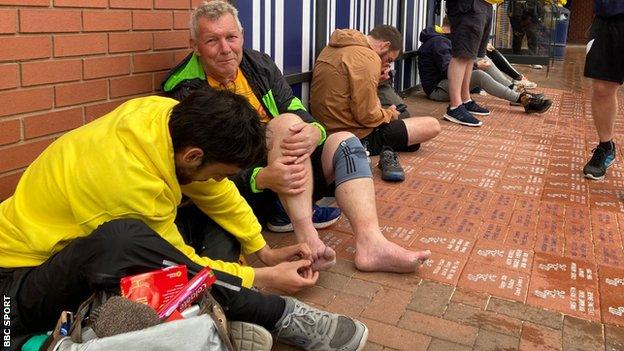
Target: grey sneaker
point(250, 337)
point(315, 330)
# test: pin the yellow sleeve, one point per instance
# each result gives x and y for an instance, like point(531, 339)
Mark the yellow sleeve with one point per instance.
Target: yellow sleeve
point(169, 231)
point(222, 202)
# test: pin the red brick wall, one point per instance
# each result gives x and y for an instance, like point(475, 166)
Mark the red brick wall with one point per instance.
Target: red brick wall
point(64, 63)
point(582, 14)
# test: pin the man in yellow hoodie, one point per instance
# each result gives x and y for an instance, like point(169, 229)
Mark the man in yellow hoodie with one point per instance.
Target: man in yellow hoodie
point(100, 203)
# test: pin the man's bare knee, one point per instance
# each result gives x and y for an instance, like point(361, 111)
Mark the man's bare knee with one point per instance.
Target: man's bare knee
point(604, 89)
point(281, 123)
point(420, 129)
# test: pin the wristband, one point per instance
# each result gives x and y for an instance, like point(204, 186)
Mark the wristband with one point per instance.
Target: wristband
point(252, 180)
point(322, 130)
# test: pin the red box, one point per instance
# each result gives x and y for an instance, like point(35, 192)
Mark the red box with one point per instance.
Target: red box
point(154, 288)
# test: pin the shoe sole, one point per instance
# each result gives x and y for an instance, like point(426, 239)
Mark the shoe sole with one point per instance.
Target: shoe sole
point(364, 339)
point(393, 178)
point(593, 177)
point(455, 120)
point(250, 337)
point(479, 113)
point(289, 227)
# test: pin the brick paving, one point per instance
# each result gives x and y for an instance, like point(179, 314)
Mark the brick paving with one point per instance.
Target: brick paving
point(527, 254)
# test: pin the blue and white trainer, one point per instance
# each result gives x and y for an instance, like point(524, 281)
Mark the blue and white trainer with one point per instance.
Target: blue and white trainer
point(460, 115)
point(322, 217)
point(476, 109)
point(597, 166)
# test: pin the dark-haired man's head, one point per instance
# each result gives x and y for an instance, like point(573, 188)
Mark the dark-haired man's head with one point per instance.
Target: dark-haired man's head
point(387, 42)
point(215, 134)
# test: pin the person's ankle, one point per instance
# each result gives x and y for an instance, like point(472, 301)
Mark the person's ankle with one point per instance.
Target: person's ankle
point(606, 145)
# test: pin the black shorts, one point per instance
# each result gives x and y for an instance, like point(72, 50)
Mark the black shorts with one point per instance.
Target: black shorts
point(605, 59)
point(393, 134)
point(471, 21)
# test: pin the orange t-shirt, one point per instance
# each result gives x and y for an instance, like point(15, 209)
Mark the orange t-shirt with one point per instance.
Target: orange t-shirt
point(241, 87)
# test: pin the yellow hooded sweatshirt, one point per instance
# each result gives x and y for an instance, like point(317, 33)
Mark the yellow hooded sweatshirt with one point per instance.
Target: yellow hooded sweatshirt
point(118, 166)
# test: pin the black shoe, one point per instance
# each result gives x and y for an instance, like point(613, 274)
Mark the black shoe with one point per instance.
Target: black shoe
point(536, 105)
point(460, 115)
point(601, 160)
point(538, 96)
point(476, 109)
point(391, 170)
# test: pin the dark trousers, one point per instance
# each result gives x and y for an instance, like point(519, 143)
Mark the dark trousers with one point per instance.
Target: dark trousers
point(502, 64)
point(520, 28)
point(115, 249)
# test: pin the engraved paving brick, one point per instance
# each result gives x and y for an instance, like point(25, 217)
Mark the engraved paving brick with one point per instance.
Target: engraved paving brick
point(524, 219)
point(612, 294)
point(444, 243)
point(502, 255)
point(466, 227)
point(442, 268)
point(491, 231)
point(414, 216)
point(549, 243)
point(399, 233)
point(494, 280)
point(520, 237)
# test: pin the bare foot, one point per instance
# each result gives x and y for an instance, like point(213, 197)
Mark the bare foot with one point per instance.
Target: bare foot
point(323, 256)
point(387, 256)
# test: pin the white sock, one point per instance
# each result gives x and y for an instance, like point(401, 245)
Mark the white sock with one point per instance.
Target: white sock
point(467, 101)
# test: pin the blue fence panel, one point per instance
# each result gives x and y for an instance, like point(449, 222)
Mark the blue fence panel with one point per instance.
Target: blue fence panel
point(285, 29)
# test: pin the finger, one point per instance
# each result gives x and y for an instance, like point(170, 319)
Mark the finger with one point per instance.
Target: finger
point(287, 160)
point(296, 153)
point(315, 276)
point(301, 144)
point(299, 137)
point(302, 264)
point(297, 184)
point(302, 158)
point(297, 127)
point(304, 251)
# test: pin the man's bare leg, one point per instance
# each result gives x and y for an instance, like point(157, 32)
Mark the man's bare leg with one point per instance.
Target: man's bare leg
point(356, 198)
point(299, 206)
point(421, 129)
point(457, 71)
point(465, 88)
point(604, 108)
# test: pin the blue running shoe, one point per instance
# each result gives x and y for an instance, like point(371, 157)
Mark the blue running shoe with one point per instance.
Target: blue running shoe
point(322, 217)
point(476, 109)
point(461, 116)
point(601, 160)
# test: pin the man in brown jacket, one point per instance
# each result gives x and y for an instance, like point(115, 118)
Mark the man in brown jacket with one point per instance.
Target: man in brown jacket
point(344, 91)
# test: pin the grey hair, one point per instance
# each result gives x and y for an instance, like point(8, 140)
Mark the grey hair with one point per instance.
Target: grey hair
point(212, 10)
